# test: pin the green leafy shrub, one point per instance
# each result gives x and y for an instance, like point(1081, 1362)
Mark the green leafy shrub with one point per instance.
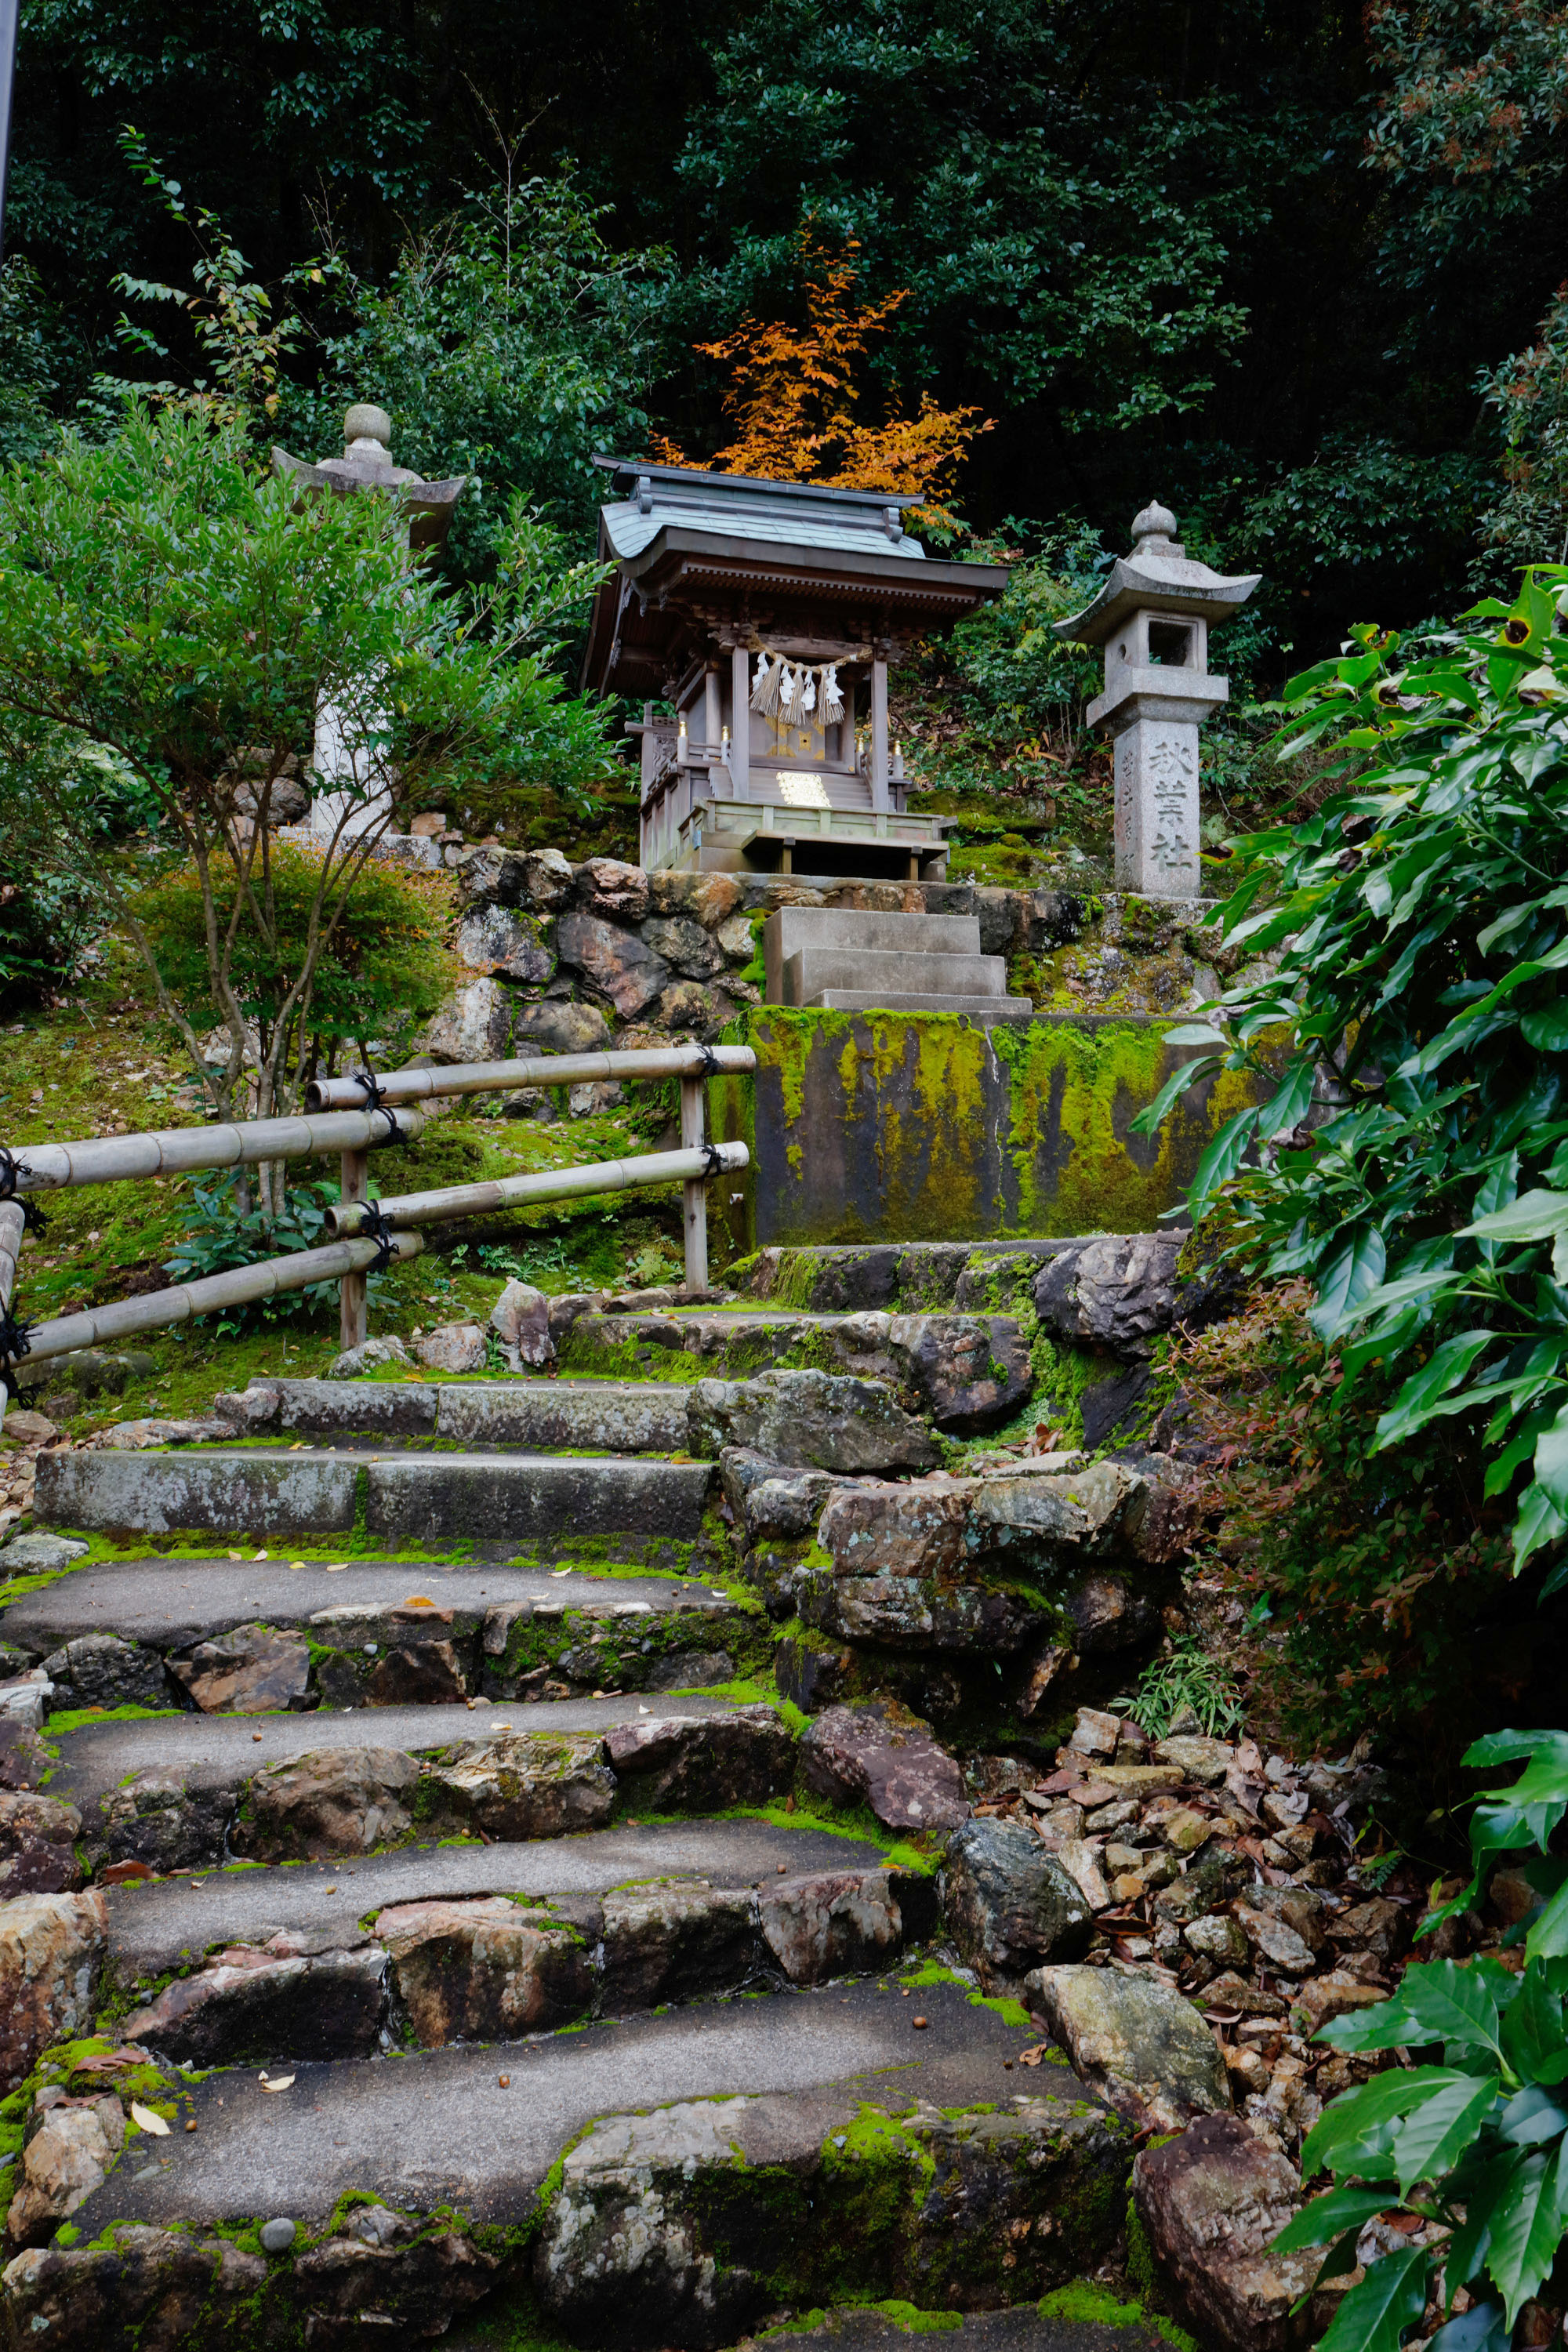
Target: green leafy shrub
point(1413, 1161)
point(1475, 2139)
point(222, 1232)
point(380, 972)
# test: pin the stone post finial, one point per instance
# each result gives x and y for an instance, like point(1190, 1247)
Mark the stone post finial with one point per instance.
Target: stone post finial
point(364, 422)
point(1154, 530)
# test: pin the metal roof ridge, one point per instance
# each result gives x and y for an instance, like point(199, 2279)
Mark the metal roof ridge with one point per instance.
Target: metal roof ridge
point(635, 466)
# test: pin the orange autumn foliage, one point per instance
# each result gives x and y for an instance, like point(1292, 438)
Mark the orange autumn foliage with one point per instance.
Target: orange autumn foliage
point(795, 396)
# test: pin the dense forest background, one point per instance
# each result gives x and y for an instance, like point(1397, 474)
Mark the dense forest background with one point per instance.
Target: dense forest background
point(1291, 267)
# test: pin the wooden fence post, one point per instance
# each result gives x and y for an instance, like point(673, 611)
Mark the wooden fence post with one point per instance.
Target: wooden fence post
point(354, 1313)
point(695, 1189)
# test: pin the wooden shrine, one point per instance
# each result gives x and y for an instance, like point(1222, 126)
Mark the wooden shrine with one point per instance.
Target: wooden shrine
point(782, 603)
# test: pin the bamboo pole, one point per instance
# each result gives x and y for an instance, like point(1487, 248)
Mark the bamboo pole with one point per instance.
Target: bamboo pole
point(181, 1151)
point(543, 1070)
point(240, 1288)
point(552, 1184)
point(11, 1223)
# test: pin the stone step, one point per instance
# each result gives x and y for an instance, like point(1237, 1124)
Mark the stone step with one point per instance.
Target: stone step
point(369, 1632)
point(478, 1943)
point(405, 1497)
point(1043, 2326)
point(794, 929)
point(158, 1928)
point(810, 972)
point(189, 1791)
point(830, 1280)
point(540, 1415)
point(984, 1009)
point(717, 2162)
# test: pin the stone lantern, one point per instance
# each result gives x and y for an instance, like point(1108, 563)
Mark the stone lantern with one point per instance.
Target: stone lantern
point(343, 754)
point(1154, 617)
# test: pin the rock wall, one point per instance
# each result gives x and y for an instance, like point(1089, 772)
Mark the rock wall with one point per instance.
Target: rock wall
point(568, 958)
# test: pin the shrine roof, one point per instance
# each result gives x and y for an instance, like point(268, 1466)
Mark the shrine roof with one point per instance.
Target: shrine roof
point(737, 505)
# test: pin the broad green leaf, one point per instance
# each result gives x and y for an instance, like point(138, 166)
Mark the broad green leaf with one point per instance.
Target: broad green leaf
point(1197, 1033)
point(1527, 2229)
point(1289, 1107)
point(1375, 2314)
point(1548, 1939)
point(1223, 1158)
point(1539, 1522)
point(1535, 1216)
point(1346, 2120)
point(1483, 2328)
point(1532, 2035)
point(1547, 1031)
point(1551, 1461)
point(1318, 2224)
point(1435, 2135)
point(1532, 2116)
point(1356, 1268)
point(1151, 1117)
point(1447, 2004)
point(1423, 1393)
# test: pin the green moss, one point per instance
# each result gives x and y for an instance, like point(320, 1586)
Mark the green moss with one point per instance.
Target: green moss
point(1084, 2305)
point(82, 1719)
point(1011, 2012)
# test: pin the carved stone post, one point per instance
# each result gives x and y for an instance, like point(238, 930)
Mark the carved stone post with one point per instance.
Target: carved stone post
point(1154, 617)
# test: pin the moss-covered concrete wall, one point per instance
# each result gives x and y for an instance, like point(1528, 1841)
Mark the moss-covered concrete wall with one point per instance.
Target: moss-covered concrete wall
point(925, 1126)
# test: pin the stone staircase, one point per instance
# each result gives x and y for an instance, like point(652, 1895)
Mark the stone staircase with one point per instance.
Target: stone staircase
point(449, 1932)
point(844, 960)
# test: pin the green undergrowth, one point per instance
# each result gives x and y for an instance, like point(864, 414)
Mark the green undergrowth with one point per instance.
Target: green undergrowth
point(859, 1825)
point(908, 2317)
point(83, 1718)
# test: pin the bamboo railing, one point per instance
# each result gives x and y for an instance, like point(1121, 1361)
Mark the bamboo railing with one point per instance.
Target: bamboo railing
point(365, 1235)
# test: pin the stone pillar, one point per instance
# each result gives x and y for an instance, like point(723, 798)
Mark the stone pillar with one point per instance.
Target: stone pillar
point(1157, 808)
point(1152, 618)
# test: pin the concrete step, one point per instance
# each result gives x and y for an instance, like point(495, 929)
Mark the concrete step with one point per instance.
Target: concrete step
point(405, 1497)
point(176, 1791)
point(853, 930)
point(717, 2162)
point(370, 1634)
point(477, 1943)
point(812, 972)
point(540, 1415)
point(984, 1009)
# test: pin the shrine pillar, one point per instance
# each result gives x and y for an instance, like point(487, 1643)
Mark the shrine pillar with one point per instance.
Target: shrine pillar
point(878, 727)
point(741, 723)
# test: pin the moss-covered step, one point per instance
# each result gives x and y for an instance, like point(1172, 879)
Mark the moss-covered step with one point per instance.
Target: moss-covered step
point(901, 1277)
point(1078, 2319)
point(869, 1126)
point(687, 1344)
point(187, 1792)
point(478, 1943)
point(406, 1497)
point(253, 1636)
point(608, 1416)
point(668, 2180)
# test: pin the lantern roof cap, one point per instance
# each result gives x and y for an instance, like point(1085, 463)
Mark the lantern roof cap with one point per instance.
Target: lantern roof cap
point(1158, 573)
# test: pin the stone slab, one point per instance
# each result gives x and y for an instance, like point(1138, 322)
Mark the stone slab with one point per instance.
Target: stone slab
point(421, 1499)
point(437, 2128)
point(812, 970)
point(172, 1604)
point(785, 933)
point(96, 1757)
point(154, 1925)
point(617, 1417)
point(865, 1125)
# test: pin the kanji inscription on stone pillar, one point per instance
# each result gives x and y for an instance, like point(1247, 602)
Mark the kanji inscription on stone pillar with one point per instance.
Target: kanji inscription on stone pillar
point(1157, 809)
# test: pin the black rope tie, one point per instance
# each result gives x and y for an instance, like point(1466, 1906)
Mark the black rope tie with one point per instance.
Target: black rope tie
point(33, 1218)
point(372, 1099)
point(709, 1066)
point(377, 1228)
point(13, 1340)
point(13, 1169)
point(714, 1155)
